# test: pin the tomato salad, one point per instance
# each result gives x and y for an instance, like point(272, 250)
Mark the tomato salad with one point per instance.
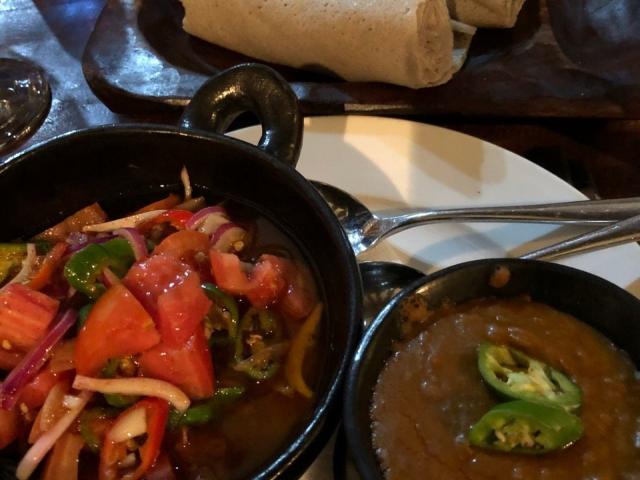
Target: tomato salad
point(122, 339)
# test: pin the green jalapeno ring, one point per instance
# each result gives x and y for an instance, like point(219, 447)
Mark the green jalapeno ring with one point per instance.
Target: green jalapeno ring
point(267, 323)
point(228, 303)
point(110, 370)
point(515, 375)
point(208, 410)
point(525, 427)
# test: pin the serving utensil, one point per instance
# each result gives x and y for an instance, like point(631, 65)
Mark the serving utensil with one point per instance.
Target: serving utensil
point(365, 228)
point(624, 231)
point(25, 98)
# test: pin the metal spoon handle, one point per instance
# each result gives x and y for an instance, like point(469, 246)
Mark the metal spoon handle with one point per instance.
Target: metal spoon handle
point(621, 232)
point(586, 212)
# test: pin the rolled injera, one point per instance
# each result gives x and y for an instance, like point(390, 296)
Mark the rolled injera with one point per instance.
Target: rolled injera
point(405, 42)
point(486, 13)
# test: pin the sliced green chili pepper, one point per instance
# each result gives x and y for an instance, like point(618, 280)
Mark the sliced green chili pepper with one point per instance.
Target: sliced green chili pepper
point(525, 427)
point(515, 375)
point(120, 401)
point(12, 255)
point(84, 267)
point(264, 322)
point(228, 303)
point(86, 425)
point(208, 410)
point(111, 368)
point(115, 399)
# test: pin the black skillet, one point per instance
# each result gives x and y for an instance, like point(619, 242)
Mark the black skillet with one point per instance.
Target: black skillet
point(597, 302)
point(123, 166)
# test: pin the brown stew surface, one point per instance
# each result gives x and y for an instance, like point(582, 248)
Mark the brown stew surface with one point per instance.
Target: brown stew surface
point(430, 393)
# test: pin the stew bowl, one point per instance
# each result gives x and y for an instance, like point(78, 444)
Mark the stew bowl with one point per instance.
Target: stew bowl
point(121, 166)
point(604, 306)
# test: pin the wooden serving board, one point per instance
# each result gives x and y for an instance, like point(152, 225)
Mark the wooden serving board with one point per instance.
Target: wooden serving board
point(564, 58)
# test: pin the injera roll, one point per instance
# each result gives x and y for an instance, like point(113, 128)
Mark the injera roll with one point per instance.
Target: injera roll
point(405, 42)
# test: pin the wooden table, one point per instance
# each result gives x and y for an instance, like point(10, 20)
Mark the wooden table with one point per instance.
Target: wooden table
point(597, 156)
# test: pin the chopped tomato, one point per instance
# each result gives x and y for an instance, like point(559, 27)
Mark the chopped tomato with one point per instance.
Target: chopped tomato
point(228, 272)
point(151, 278)
point(62, 356)
point(25, 315)
point(87, 216)
point(8, 427)
point(117, 325)
point(9, 358)
point(181, 310)
point(267, 281)
point(272, 281)
point(300, 296)
point(36, 391)
point(184, 245)
point(112, 453)
point(187, 366)
point(51, 262)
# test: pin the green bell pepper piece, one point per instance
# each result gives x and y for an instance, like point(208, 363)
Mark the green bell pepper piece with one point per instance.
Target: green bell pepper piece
point(515, 375)
point(525, 427)
point(84, 267)
point(208, 410)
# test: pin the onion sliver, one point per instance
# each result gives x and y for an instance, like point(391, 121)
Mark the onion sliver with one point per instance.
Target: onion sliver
point(126, 222)
point(199, 217)
point(136, 241)
point(186, 182)
point(147, 387)
point(33, 361)
point(130, 425)
point(110, 278)
point(47, 440)
point(27, 265)
point(225, 236)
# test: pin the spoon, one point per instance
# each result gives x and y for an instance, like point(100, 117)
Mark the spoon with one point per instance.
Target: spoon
point(380, 282)
point(365, 228)
point(25, 98)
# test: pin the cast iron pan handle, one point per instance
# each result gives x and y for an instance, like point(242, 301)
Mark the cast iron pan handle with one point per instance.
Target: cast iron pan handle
point(256, 88)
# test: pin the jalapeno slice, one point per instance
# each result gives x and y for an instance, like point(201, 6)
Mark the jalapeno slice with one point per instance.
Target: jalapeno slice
point(515, 375)
point(526, 428)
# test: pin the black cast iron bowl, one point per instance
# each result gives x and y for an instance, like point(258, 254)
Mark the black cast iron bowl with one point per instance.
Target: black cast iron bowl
point(120, 166)
point(591, 299)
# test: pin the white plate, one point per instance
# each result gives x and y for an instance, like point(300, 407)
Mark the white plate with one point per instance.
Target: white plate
point(389, 163)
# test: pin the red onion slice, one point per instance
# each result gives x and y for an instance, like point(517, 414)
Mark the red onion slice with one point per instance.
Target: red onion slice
point(226, 235)
point(78, 242)
point(136, 240)
point(199, 217)
point(33, 361)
